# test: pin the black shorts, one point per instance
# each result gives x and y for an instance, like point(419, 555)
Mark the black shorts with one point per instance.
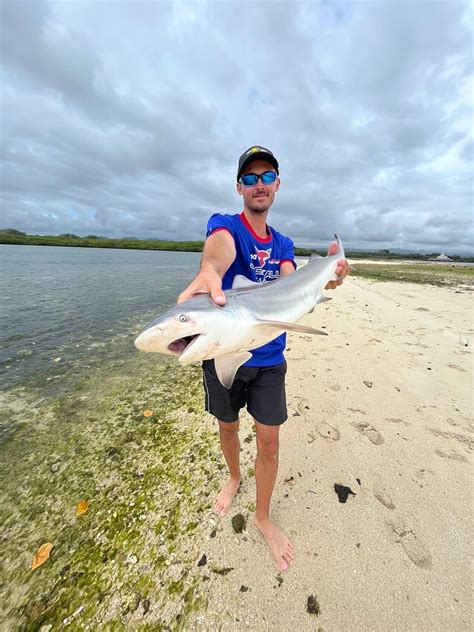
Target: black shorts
point(262, 389)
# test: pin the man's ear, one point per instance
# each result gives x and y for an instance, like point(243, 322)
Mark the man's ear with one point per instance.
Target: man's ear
point(238, 186)
point(277, 183)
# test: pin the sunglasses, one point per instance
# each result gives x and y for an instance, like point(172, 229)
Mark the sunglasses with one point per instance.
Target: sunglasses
point(251, 179)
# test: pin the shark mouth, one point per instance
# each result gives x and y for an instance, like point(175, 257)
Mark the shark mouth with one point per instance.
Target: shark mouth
point(178, 347)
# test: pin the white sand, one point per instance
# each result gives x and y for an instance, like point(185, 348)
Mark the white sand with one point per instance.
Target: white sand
point(396, 555)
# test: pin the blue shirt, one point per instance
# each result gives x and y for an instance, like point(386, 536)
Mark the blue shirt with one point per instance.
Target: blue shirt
point(259, 260)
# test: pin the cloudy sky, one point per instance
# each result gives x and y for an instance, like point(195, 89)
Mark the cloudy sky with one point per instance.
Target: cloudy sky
point(128, 118)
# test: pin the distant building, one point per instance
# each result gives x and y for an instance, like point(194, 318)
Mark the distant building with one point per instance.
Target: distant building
point(442, 257)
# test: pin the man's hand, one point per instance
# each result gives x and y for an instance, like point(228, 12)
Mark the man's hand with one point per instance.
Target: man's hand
point(206, 281)
point(342, 270)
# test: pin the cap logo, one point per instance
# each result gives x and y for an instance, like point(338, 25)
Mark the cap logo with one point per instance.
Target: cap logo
point(254, 150)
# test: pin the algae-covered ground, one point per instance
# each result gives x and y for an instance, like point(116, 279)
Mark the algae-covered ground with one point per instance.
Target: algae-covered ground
point(130, 561)
point(432, 274)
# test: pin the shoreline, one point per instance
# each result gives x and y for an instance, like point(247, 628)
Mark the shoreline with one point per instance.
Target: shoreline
point(394, 556)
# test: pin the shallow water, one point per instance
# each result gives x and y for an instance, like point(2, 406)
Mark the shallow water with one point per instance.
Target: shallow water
point(66, 310)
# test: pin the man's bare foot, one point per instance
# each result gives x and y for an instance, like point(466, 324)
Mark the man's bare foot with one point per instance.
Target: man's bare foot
point(280, 545)
point(225, 497)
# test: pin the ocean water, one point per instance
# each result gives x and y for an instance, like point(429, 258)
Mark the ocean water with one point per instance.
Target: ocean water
point(65, 311)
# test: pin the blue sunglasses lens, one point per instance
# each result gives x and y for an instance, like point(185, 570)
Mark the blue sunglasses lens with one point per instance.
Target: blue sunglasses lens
point(251, 179)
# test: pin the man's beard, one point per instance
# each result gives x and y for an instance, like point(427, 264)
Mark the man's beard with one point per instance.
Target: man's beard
point(258, 211)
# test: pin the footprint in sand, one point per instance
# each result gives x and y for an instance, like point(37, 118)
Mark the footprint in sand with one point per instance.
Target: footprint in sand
point(303, 406)
point(457, 368)
point(357, 410)
point(327, 431)
point(406, 536)
point(370, 432)
point(453, 435)
point(396, 420)
point(382, 495)
point(455, 456)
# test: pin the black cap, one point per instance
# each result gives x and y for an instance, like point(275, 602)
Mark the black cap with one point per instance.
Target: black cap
point(256, 153)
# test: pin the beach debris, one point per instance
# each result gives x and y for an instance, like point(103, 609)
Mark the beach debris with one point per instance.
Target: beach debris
point(147, 413)
point(213, 533)
point(146, 605)
point(343, 492)
point(203, 560)
point(55, 467)
point(112, 452)
point(310, 491)
point(243, 588)
point(41, 555)
point(279, 579)
point(82, 507)
point(290, 480)
point(238, 523)
point(358, 480)
point(312, 605)
point(368, 384)
point(57, 360)
point(222, 571)
point(71, 617)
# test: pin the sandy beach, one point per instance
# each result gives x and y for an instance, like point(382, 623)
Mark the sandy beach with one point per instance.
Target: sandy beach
point(384, 407)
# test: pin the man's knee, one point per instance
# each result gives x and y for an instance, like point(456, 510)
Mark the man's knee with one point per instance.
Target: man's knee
point(267, 440)
point(229, 428)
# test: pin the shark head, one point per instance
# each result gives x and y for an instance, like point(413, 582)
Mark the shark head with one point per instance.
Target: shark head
point(185, 331)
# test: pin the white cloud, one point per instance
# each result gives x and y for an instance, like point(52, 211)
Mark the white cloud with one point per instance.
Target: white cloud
point(128, 118)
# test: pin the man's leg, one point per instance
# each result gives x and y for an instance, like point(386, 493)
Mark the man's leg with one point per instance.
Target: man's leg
point(266, 468)
point(230, 444)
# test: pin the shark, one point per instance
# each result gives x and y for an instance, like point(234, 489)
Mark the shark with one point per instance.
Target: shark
point(254, 313)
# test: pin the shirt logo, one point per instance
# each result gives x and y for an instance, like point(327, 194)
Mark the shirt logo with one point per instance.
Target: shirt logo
point(262, 255)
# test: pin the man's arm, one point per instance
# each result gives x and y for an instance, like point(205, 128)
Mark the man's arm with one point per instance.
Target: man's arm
point(217, 257)
point(286, 268)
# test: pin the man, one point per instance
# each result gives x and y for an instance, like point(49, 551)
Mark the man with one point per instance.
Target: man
point(245, 244)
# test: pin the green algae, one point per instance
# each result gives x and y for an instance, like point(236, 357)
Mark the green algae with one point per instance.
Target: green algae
point(129, 562)
point(443, 275)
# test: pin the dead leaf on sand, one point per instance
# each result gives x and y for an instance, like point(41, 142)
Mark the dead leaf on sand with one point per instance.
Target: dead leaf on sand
point(41, 555)
point(147, 413)
point(82, 507)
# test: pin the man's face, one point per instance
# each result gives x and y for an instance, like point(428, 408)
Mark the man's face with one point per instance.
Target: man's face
point(258, 198)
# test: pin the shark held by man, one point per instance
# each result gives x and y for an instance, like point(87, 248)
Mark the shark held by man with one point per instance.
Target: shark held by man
point(254, 313)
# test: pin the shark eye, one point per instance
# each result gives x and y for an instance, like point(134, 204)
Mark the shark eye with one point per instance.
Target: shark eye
point(182, 318)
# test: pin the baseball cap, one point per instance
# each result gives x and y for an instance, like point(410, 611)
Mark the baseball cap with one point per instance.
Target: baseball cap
point(257, 152)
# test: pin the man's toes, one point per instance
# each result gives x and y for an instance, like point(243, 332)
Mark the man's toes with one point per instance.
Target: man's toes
point(283, 565)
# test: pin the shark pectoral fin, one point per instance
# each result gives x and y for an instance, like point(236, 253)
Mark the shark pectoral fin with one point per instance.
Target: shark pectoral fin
point(227, 366)
point(275, 324)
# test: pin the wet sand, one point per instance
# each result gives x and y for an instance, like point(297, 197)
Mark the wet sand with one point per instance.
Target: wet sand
point(382, 406)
